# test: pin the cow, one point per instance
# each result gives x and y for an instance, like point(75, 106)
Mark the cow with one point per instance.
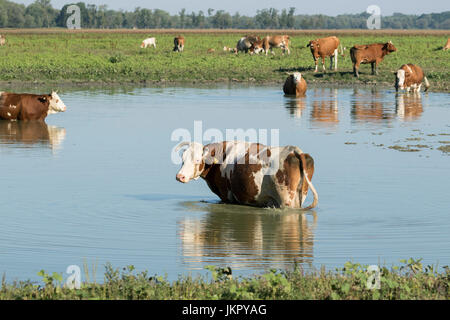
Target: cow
point(250, 173)
point(295, 84)
point(30, 133)
point(371, 53)
point(178, 44)
point(270, 42)
point(2, 40)
point(447, 45)
point(25, 106)
point(148, 42)
point(246, 43)
point(211, 50)
point(325, 47)
point(410, 76)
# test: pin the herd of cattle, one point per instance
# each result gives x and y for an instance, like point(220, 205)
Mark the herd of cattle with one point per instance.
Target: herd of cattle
point(408, 77)
point(241, 172)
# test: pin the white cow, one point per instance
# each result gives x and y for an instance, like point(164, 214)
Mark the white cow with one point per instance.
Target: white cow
point(148, 42)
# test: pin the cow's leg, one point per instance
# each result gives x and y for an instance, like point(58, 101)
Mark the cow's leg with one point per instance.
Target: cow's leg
point(316, 62)
point(292, 173)
point(335, 59)
point(356, 69)
point(373, 67)
point(323, 64)
point(331, 62)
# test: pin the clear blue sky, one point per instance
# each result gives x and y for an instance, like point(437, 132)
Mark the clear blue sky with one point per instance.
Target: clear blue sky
point(249, 7)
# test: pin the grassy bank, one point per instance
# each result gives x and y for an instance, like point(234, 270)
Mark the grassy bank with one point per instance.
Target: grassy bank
point(411, 280)
point(93, 56)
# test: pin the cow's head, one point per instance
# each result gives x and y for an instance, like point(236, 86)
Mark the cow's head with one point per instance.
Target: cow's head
point(193, 161)
point(400, 77)
point(257, 47)
point(56, 104)
point(297, 77)
point(389, 47)
point(312, 44)
point(198, 159)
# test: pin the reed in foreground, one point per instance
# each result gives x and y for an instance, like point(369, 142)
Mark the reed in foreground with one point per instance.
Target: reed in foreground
point(411, 280)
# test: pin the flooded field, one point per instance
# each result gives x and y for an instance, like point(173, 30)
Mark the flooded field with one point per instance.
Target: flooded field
point(96, 184)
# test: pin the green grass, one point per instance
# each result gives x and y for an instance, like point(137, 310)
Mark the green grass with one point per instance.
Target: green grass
point(411, 280)
point(116, 57)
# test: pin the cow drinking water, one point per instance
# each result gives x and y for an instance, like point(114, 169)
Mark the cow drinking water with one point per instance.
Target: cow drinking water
point(410, 76)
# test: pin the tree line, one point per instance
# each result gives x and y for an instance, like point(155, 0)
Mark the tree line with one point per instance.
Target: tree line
point(41, 14)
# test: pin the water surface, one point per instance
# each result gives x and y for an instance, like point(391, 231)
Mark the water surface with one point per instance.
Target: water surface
point(96, 184)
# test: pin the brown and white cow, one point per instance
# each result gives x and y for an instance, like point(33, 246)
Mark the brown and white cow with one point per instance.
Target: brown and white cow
point(447, 45)
point(325, 47)
point(245, 44)
point(270, 42)
point(370, 53)
point(250, 173)
point(178, 44)
point(25, 106)
point(2, 40)
point(410, 76)
point(148, 42)
point(295, 84)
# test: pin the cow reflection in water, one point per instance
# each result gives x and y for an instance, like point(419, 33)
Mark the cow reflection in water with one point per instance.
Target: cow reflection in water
point(295, 106)
point(325, 107)
point(408, 106)
point(369, 107)
point(31, 133)
point(246, 237)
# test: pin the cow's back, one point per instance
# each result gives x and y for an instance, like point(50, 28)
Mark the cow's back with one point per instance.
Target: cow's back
point(366, 53)
point(23, 106)
point(328, 45)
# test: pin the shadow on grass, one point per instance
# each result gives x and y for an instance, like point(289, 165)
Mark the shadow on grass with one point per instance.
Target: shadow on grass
point(299, 69)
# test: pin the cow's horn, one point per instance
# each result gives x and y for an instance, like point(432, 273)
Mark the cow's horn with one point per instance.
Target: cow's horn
point(181, 145)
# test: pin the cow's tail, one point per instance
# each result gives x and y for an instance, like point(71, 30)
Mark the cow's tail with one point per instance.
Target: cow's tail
point(427, 84)
point(342, 49)
point(302, 158)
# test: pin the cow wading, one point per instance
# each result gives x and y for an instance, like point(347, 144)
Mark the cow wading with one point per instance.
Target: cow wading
point(250, 173)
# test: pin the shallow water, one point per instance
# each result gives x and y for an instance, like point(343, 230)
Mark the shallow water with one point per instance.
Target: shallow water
point(97, 184)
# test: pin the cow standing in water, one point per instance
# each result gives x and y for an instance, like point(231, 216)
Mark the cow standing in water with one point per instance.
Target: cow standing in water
point(325, 47)
point(295, 84)
point(371, 53)
point(410, 76)
point(250, 173)
point(25, 106)
point(178, 44)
